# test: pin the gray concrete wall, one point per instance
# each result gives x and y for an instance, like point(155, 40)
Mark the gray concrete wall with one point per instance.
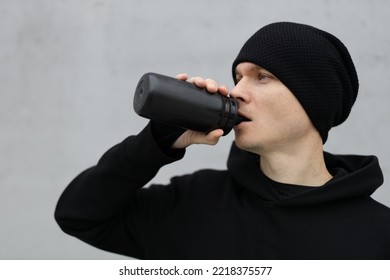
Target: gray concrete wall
point(68, 71)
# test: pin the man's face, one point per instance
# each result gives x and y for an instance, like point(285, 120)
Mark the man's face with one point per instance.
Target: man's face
point(277, 119)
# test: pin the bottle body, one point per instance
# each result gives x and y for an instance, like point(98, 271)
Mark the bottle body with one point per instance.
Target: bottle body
point(179, 103)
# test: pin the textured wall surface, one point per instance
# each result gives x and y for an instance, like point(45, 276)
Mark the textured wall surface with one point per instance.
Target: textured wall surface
point(68, 69)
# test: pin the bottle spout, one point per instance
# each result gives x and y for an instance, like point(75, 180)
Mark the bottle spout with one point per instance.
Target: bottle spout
point(240, 119)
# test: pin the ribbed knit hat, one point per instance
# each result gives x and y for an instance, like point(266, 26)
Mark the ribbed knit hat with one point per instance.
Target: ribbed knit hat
point(313, 64)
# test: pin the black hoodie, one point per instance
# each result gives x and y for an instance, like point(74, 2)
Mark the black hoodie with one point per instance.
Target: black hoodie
point(236, 213)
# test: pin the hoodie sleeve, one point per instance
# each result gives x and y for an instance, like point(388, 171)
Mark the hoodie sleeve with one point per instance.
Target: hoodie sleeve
point(102, 207)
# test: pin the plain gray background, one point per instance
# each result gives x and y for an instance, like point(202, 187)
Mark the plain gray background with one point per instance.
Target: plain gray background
point(68, 70)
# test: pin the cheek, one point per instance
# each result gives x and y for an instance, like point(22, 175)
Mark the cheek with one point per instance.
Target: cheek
point(282, 114)
point(294, 120)
point(284, 105)
point(273, 110)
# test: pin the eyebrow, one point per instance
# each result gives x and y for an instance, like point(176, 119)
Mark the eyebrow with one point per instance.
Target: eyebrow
point(252, 67)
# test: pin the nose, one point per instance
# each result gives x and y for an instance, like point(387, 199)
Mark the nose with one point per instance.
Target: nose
point(238, 92)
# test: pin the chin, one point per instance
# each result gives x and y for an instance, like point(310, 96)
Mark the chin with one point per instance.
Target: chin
point(246, 144)
point(250, 142)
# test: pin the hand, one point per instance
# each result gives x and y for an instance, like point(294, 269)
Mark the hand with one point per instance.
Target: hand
point(209, 84)
point(195, 137)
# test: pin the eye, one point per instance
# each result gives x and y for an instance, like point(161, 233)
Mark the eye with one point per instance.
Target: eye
point(263, 77)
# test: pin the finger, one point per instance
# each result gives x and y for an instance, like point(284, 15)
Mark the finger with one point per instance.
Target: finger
point(198, 81)
point(195, 137)
point(182, 76)
point(211, 85)
point(224, 90)
point(213, 137)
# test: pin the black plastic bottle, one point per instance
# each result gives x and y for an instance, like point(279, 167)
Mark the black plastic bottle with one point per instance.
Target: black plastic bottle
point(183, 104)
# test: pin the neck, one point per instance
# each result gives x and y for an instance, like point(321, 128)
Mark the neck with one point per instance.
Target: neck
point(302, 164)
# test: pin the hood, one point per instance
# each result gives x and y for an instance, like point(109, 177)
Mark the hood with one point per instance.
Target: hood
point(354, 176)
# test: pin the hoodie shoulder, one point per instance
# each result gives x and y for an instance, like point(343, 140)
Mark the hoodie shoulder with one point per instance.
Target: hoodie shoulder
point(380, 208)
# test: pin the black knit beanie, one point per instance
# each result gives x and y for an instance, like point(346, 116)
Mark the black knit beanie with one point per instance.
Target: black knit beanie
point(313, 64)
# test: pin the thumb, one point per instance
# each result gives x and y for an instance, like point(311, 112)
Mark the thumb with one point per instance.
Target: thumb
point(195, 137)
point(212, 137)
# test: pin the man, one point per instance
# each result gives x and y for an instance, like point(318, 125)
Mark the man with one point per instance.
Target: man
point(281, 197)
